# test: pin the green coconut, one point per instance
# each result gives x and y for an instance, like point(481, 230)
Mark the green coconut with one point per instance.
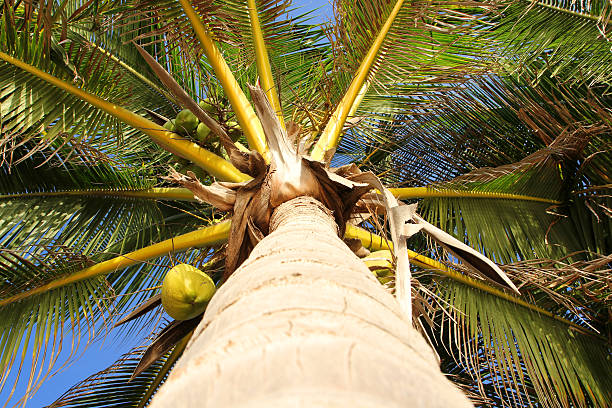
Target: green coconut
point(234, 130)
point(207, 106)
point(170, 125)
point(202, 132)
point(186, 291)
point(186, 121)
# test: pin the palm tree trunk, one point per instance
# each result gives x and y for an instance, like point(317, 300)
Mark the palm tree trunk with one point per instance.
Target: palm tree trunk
point(304, 323)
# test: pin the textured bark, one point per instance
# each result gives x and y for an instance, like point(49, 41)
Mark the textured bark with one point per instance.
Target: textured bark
point(303, 323)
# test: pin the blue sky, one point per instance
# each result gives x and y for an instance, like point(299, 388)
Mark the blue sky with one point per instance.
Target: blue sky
point(103, 352)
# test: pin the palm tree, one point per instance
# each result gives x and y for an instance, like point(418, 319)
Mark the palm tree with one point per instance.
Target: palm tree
point(493, 117)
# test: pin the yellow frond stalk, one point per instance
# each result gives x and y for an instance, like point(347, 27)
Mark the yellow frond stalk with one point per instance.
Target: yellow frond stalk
point(377, 243)
point(331, 134)
point(177, 193)
point(426, 192)
point(204, 237)
point(249, 122)
point(379, 260)
point(213, 164)
point(263, 62)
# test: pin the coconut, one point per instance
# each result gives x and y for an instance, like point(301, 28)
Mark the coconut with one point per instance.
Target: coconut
point(207, 105)
point(186, 121)
point(202, 132)
point(170, 125)
point(234, 130)
point(186, 291)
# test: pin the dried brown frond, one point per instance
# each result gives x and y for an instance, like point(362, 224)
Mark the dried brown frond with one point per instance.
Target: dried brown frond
point(216, 194)
point(582, 287)
point(569, 145)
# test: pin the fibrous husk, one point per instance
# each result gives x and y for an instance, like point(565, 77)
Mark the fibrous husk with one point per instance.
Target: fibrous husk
point(164, 342)
point(405, 222)
point(357, 247)
point(294, 175)
point(289, 175)
point(217, 194)
point(251, 205)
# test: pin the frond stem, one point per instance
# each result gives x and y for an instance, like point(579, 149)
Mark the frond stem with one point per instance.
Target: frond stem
point(213, 164)
point(427, 192)
point(377, 243)
point(263, 62)
point(203, 237)
point(245, 114)
point(331, 134)
point(180, 194)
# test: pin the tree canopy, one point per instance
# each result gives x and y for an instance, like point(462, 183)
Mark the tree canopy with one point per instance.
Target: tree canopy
point(495, 117)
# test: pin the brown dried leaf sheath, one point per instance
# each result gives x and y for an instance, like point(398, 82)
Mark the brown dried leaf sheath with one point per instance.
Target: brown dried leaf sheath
point(164, 342)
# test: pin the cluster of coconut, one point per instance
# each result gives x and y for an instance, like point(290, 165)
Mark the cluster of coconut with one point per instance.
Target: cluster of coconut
point(187, 124)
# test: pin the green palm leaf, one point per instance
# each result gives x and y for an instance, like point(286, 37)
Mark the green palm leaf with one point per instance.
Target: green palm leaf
point(47, 235)
point(294, 47)
point(112, 387)
point(571, 38)
point(31, 109)
point(521, 349)
point(33, 327)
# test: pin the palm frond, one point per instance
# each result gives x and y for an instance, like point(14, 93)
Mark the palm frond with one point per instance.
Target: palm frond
point(505, 230)
point(33, 222)
point(36, 328)
point(424, 43)
point(298, 53)
point(245, 114)
point(263, 61)
point(170, 141)
point(113, 386)
point(430, 192)
point(510, 230)
point(86, 306)
point(576, 289)
point(211, 235)
point(32, 110)
point(571, 40)
point(428, 47)
point(526, 357)
point(513, 230)
point(47, 236)
point(487, 121)
point(359, 85)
